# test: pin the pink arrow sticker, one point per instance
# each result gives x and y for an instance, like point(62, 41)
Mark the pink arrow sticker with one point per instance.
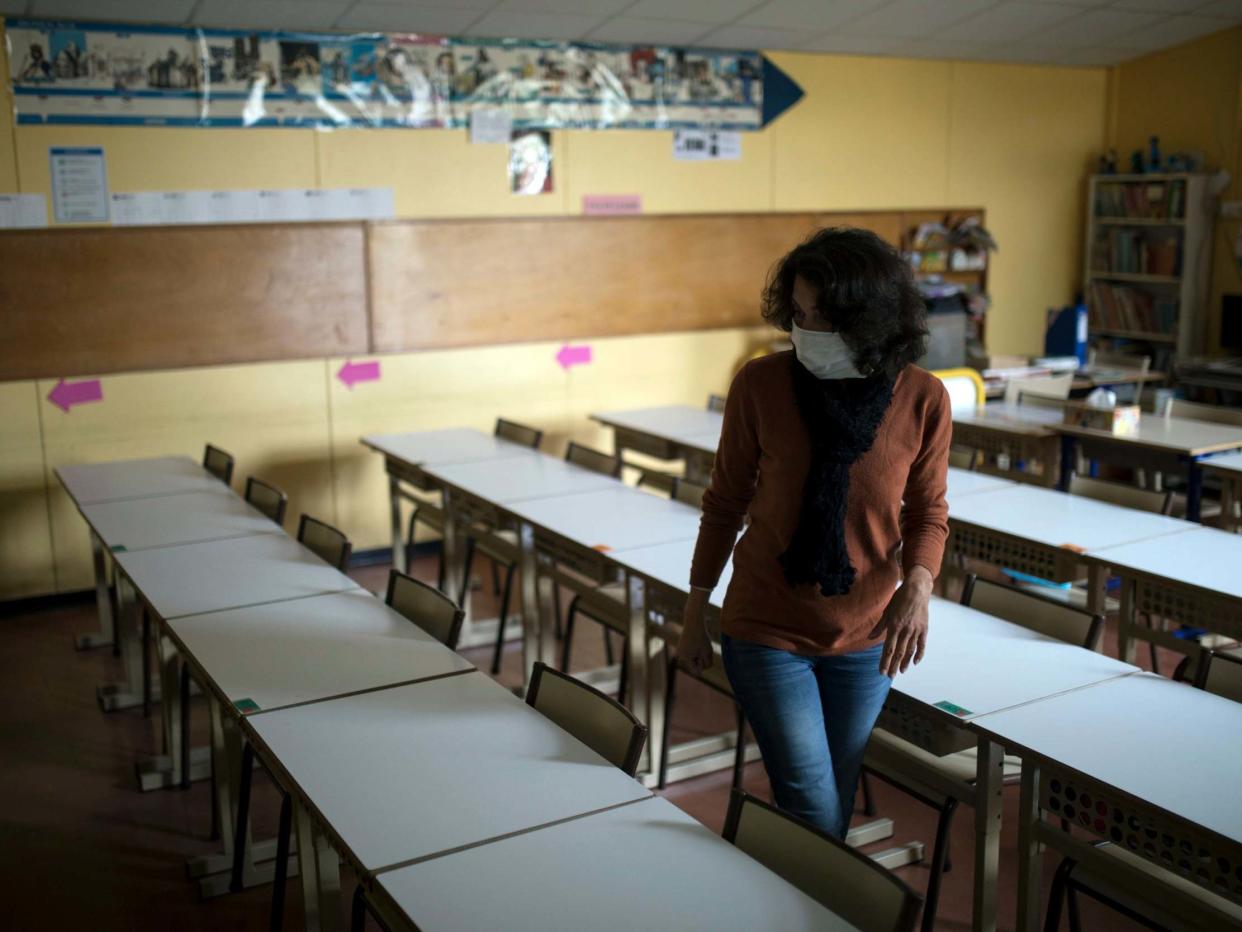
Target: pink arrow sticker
point(354, 372)
point(573, 356)
point(67, 394)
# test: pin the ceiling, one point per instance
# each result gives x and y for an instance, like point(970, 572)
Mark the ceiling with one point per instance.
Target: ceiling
point(1066, 32)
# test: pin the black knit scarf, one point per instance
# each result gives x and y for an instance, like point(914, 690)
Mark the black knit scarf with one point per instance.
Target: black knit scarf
point(842, 417)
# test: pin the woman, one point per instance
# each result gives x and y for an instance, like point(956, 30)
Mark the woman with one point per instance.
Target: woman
point(838, 453)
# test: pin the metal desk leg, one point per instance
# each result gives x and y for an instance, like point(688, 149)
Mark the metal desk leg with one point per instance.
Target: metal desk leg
point(1030, 859)
point(531, 635)
point(1125, 622)
point(646, 674)
point(321, 874)
point(1194, 490)
point(103, 601)
point(128, 631)
point(164, 770)
point(1097, 589)
point(987, 834)
point(1069, 449)
point(398, 538)
point(453, 569)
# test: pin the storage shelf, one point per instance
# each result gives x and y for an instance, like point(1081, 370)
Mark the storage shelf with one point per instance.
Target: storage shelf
point(1137, 277)
point(1140, 222)
point(1132, 335)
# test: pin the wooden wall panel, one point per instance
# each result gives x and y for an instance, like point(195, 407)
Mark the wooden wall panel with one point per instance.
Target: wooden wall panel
point(466, 283)
point(111, 300)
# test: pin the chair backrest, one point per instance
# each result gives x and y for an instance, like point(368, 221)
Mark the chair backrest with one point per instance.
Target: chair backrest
point(1034, 612)
point(716, 403)
point(1217, 414)
point(688, 493)
point(965, 387)
point(518, 433)
point(1029, 400)
point(1098, 360)
point(1054, 386)
point(1118, 493)
point(1221, 673)
point(848, 883)
point(426, 606)
point(594, 460)
point(267, 498)
point(594, 718)
point(218, 463)
point(327, 542)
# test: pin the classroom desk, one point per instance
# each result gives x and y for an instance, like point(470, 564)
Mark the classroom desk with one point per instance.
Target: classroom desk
point(963, 482)
point(92, 483)
point(406, 454)
point(1009, 433)
point(1227, 467)
point(668, 432)
point(398, 774)
point(1193, 578)
point(175, 581)
point(1129, 760)
point(1046, 533)
point(646, 865)
point(282, 654)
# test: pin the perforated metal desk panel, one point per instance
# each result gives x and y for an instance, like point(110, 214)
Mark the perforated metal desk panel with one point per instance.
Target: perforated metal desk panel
point(643, 866)
point(614, 518)
point(224, 574)
point(179, 518)
point(88, 483)
point(295, 651)
point(410, 771)
point(519, 479)
point(453, 445)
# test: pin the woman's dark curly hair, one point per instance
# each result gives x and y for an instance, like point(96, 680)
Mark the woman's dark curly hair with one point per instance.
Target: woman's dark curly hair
point(866, 291)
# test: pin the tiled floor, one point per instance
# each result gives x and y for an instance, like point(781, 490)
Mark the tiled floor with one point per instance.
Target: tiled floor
point(81, 848)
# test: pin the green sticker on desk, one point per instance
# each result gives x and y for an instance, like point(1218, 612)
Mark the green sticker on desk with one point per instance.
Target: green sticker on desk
point(118, 548)
point(952, 709)
point(246, 706)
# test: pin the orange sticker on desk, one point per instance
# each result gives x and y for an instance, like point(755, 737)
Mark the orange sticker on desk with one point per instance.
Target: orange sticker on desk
point(602, 548)
point(1074, 547)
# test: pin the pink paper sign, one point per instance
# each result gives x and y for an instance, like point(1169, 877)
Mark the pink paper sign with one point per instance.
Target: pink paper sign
point(612, 204)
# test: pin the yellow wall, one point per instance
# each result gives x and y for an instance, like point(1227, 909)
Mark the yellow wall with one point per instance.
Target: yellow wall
point(1191, 97)
point(870, 134)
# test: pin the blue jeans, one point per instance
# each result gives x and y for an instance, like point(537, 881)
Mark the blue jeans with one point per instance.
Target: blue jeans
point(812, 717)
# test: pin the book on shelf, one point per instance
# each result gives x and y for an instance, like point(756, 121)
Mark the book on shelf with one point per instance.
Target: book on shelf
point(1136, 310)
point(1136, 252)
point(1141, 200)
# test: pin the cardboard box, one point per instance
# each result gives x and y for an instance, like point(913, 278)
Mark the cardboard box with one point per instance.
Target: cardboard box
point(1122, 420)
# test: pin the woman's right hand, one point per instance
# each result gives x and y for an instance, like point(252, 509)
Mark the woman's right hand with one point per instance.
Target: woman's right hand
point(694, 650)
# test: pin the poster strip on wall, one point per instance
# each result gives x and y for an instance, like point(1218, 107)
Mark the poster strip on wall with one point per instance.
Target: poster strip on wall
point(66, 73)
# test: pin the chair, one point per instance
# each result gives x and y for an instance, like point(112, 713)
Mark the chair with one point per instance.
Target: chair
point(428, 608)
point(1131, 884)
point(1195, 411)
point(267, 499)
point(218, 463)
point(966, 389)
point(597, 720)
point(716, 403)
point(430, 514)
point(1128, 361)
point(850, 884)
point(1056, 387)
point(688, 493)
point(946, 782)
point(502, 548)
point(325, 541)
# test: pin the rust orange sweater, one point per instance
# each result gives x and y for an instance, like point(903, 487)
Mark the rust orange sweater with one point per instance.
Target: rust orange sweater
point(759, 471)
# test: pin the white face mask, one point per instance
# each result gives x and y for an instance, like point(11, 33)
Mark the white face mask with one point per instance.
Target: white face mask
point(824, 353)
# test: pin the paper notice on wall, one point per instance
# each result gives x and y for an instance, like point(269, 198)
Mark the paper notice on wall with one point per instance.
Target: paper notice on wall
point(699, 145)
point(612, 204)
point(79, 185)
point(292, 205)
point(490, 124)
point(22, 211)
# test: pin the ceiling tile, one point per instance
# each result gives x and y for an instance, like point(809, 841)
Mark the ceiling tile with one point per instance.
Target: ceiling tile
point(577, 7)
point(913, 18)
point(404, 17)
point(634, 31)
point(1095, 27)
point(693, 11)
point(939, 48)
point(1030, 52)
point(807, 14)
point(852, 45)
point(1169, 32)
point(128, 11)
point(1007, 22)
point(1097, 56)
point(503, 24)
point(1225, 9)
point(269, 14)
point(13, 7)
point(752, 37)
point(1158, 6)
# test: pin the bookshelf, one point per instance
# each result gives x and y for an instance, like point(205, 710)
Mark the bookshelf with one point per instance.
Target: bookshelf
point(1147, 264)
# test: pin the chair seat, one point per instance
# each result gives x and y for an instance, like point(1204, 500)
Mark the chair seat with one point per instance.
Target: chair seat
point(605, 604)
point(499, 545)
point(431, 515)
point(961, 766)
point(1137, 890)
point(714, 675)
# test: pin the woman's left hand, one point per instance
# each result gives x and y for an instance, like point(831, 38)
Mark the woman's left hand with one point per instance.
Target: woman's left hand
point(904, 623)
